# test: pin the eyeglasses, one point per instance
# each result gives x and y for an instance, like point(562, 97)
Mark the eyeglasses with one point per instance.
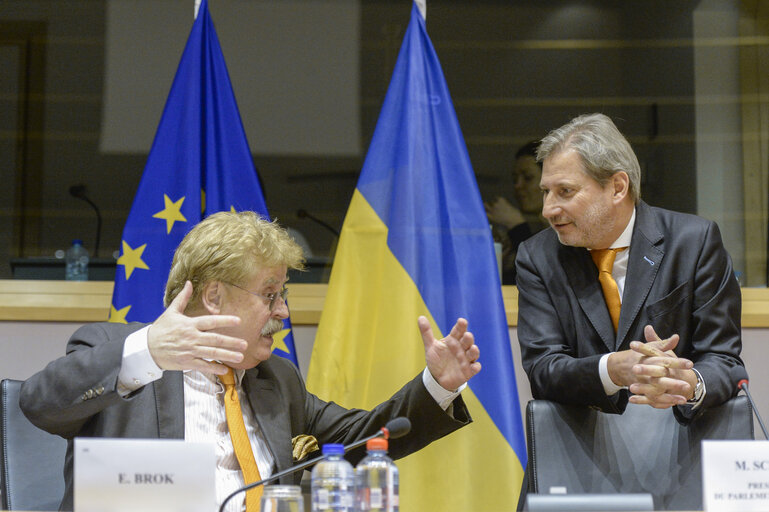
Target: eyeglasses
point(271, 297)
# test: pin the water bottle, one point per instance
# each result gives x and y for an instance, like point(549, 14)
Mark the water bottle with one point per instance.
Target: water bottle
point(376, 479)
point(333, 482)
point(76, 262)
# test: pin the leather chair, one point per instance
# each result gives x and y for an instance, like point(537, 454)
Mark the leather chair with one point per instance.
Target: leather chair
point(32, 471)
point(644, 450)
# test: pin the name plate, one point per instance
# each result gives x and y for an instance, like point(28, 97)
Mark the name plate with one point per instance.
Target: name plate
point(735, 476)
point(122, 475)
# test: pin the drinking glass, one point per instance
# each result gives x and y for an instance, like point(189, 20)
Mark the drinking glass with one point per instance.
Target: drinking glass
point(282, 498)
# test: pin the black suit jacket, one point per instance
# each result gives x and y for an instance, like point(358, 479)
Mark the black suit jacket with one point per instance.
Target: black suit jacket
point(679, 280)
point(76, 395)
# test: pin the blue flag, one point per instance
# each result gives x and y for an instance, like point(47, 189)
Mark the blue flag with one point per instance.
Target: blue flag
point(416, 241)
point(199, 164)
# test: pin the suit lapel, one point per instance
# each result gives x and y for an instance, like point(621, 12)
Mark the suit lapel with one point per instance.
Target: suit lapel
point(583, 278)
point(643, 263)
point(169, 401)
point(271, 416)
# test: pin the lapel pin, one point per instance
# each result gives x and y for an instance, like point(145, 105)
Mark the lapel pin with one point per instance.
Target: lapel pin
point(650, 262)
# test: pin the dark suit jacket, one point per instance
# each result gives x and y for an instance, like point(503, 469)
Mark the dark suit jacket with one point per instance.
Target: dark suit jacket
point(679, 280)
point(76, 395)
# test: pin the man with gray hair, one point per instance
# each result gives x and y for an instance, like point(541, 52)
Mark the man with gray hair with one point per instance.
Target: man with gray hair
point(599, 291)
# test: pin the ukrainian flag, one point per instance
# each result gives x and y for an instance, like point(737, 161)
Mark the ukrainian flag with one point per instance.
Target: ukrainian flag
point(199, 164)
point(416, 241)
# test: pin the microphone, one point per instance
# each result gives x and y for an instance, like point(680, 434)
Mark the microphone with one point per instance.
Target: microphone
point(741, 376)
point(304, 214)
point(395, 428)
point(79, 192)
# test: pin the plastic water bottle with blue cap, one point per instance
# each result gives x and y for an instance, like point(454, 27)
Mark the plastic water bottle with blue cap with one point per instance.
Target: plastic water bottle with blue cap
point(76, 262)
point(333, 482)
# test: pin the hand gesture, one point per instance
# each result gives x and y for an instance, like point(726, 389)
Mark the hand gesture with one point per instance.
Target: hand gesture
point(180, 342)
point(503, 213)
point(454, 359)
point(662, 378)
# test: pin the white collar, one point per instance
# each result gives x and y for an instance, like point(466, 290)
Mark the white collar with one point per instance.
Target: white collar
point(238, 373)
point(626, 236)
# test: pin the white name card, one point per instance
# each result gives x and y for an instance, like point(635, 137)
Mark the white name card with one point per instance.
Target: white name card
point(735, 476)
point(126, 475)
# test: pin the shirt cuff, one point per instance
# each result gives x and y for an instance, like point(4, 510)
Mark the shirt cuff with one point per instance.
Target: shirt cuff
point(138, 368)
point(603, 370)
point(443, 397)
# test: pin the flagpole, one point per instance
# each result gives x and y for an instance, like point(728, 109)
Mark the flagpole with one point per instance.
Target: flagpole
point(422, 6)
point(197, 6)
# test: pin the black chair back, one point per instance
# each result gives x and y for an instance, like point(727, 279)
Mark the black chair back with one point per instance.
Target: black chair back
point(644, 450)
point(32, 471)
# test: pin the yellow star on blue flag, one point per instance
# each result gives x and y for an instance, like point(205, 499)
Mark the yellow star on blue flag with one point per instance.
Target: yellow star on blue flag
point(171, 212)
point(118, 315)
point(279, 340)
point(132, 259)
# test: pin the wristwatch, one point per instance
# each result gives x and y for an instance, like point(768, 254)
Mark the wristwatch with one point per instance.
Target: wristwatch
point(699, 390)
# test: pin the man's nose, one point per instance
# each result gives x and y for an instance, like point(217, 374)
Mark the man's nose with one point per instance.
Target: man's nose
point(550, 207)
point(281, 308)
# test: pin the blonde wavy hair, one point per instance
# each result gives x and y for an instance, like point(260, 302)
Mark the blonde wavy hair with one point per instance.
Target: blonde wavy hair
point(230, 247)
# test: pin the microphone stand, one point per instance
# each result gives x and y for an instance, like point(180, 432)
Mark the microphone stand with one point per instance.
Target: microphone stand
point(302, 213)
point(79, 192)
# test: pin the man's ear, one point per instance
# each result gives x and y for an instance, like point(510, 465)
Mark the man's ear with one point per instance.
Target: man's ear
point(211, 297)
point(620, 182)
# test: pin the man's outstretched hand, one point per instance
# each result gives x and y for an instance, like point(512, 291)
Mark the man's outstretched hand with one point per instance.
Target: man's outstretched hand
point(453, 360)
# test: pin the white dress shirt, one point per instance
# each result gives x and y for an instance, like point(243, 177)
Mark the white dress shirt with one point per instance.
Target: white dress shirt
point(205, 421)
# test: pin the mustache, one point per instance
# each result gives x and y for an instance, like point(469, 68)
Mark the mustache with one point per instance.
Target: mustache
point(272, 326)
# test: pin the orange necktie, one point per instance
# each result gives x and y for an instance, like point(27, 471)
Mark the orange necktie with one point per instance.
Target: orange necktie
point(240, 441)
point(604, 260)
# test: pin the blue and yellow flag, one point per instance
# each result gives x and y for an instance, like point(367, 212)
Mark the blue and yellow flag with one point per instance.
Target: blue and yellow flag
point(416, 241)
point(199, 164)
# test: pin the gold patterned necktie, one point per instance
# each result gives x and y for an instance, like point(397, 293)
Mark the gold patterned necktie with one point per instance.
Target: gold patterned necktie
point(604, 260)
point(240, 442)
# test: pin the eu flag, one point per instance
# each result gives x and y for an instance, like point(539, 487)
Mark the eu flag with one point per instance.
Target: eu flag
point(199, 164)
point(416, 240)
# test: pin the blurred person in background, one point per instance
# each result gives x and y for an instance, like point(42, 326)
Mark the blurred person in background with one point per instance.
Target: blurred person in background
point(512, 225)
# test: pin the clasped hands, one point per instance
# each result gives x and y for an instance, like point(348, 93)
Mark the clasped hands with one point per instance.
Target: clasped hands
point(654, 374)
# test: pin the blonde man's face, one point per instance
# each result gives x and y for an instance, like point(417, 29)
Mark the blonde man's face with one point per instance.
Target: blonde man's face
point(258, 324)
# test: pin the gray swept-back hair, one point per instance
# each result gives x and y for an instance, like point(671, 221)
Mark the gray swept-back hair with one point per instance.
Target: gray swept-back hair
point(603, 149)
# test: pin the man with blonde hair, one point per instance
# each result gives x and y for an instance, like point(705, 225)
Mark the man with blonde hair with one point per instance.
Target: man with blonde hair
point(613, 276)
point(225, 300)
